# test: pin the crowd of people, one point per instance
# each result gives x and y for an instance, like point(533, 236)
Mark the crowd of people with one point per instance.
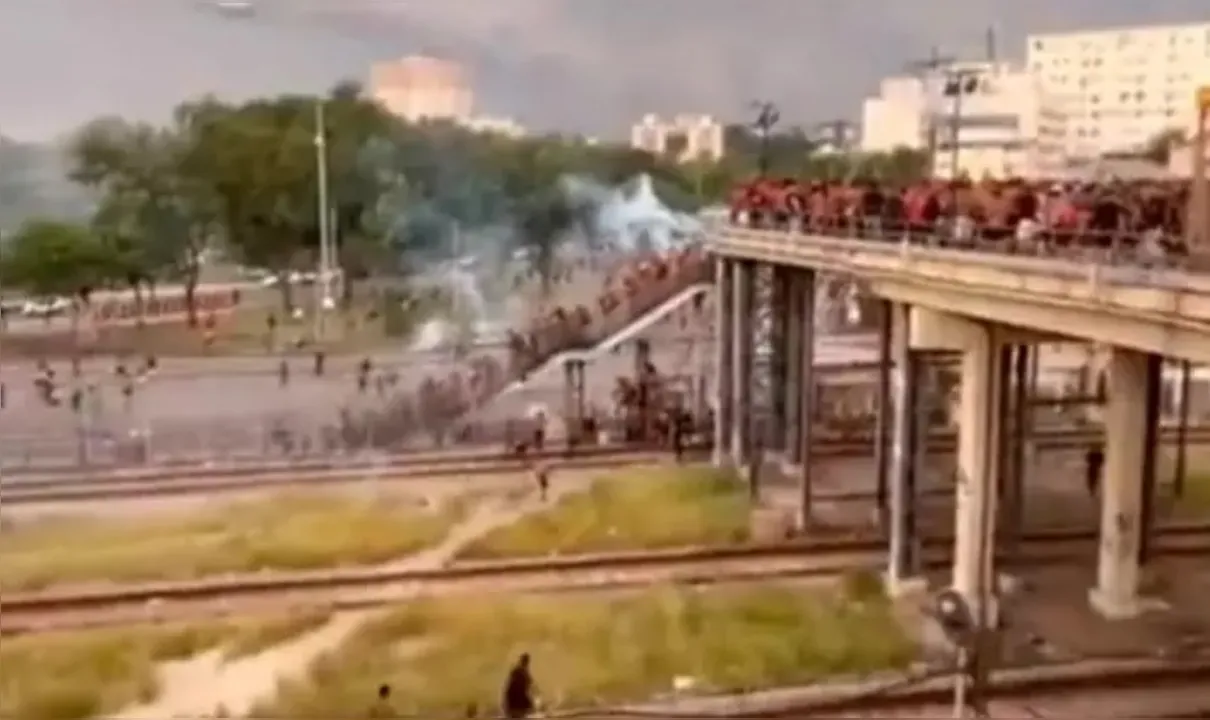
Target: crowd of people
point(1016, 214)
point(437, 407)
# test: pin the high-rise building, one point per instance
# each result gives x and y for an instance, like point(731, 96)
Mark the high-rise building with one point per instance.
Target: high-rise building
point(423, 88)
point(685, 137)
point(996, 122)
point(1122, 87)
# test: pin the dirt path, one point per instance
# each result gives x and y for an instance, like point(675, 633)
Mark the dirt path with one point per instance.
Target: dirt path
point(200, 686)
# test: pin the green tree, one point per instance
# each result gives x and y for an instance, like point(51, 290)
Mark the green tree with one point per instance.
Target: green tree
point(154, 212)
point(49, 259)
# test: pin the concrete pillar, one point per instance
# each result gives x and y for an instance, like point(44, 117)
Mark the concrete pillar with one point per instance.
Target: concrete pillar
point(779, 322)
point(807, 388)
point(1116, 592)
point(901, 563)
point(724, 359)
point(742, 341)
point(794, 351)
point(978, 437)
point(883, 408)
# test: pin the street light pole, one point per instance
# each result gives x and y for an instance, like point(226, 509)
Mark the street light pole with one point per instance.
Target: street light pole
point(323, 279)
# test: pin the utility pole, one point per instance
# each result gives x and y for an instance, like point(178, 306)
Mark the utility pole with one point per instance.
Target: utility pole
point(926, 70)
point(767, 117)
point(959, 82)
point(323, 280)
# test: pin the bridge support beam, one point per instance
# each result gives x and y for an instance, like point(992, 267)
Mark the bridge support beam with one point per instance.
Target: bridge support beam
point(795, 302)
point(806, 398)
point(744, 292)
point(1116, 595)
point(979, 437)
point(902, 565)
point(724, 360)
point(779, 359)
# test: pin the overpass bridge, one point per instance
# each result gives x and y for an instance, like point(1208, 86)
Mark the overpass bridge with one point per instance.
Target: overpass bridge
point(994, 309)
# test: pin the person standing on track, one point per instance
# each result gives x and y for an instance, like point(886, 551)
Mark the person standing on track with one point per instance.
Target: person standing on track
point(542, 480)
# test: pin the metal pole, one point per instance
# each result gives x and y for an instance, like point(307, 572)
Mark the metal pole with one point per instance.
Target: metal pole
point(1155, 366)
point(955, 131)
point(807, 390)
point(1182, 429)
point(323, 291)
point(903, 487)
point(882, 420)
point(1021, 405)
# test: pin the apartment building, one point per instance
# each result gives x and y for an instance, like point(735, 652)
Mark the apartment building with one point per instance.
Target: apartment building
point(686, 137)
point(1122, 87)
point(990, 120)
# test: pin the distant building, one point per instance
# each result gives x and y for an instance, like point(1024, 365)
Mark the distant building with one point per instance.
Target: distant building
point(685, 137)
point(495, 125)
point(423, 88)
point(1123, 87)
point(1001, 120)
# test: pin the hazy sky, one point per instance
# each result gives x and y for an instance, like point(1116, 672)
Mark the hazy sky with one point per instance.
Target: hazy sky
point(588, 65)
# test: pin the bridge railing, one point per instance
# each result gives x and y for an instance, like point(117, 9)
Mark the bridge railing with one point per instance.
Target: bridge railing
point(1094, 258)
point(1136, 247)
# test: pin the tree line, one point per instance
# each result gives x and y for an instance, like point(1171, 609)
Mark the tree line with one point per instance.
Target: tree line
point(243, 177)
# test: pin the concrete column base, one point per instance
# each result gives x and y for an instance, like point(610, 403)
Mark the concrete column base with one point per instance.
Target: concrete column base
point(911, 586)
point(1119, 608)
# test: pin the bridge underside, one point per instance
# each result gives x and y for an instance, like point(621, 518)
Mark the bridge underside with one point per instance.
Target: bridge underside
point(994, 357)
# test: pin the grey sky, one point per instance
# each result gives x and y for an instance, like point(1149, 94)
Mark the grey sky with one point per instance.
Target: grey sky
point(588, 65)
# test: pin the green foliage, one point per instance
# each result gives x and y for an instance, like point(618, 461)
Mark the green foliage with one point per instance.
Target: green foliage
point(593, 650)
point(47, 258)
point(244, 176)
point(635, 509)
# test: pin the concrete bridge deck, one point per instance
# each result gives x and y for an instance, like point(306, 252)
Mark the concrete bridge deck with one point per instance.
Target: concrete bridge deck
point(1156, 310)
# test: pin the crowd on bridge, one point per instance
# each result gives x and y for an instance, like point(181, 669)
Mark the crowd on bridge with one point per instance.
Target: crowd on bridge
point(649, 405)
point(1147, 217)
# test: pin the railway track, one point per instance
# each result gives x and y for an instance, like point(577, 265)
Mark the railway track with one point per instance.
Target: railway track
point(158, 482)
point(1116, 687)
point(362, 587)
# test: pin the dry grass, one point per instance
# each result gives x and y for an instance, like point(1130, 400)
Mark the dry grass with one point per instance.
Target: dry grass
point(69, 675)
point(251, 637)
point(637, 508)
point(291, 531)
point(596, 650)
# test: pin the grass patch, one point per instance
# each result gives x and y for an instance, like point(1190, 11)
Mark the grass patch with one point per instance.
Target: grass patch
point(80, 674)
point(252, 637)
point(596, 650)
point(70, 675)
point(291, 531)
point(1197, 491)
point(638, 508)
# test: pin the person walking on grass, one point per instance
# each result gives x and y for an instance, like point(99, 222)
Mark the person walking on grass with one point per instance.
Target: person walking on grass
point(518, 700)
point(381, 710)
